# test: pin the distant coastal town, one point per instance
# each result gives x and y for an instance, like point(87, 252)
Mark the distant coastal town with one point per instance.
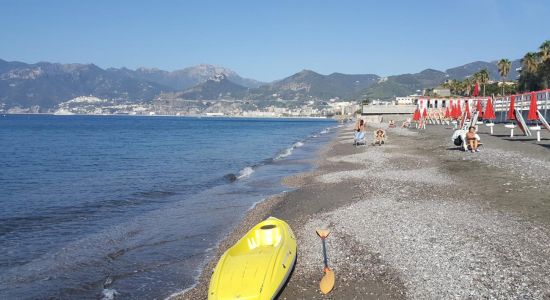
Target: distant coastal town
point(90, 105)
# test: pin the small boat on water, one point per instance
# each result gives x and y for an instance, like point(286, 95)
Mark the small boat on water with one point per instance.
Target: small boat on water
point(258, 265)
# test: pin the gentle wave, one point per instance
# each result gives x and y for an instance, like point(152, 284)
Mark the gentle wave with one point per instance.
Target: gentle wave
point(298, 144)
point(284, 153)
point(288, 151)
point(64, 236)
point(245, 173)
point(108, 294)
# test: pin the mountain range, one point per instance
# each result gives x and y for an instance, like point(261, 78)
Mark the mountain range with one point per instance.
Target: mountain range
point(44, 85)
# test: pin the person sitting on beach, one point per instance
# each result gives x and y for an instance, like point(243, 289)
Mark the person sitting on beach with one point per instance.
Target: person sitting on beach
point(391, 124)
point(379, 137)
point(359, 137)
point(406, 124)
point(360, 125)
point(472, 138)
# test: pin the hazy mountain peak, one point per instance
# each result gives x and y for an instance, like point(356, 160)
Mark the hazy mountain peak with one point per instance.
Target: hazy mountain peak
point(207, 70)
point(147, 70)
point(218, 77)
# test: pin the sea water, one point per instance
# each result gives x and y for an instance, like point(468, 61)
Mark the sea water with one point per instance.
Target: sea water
point(130, 207)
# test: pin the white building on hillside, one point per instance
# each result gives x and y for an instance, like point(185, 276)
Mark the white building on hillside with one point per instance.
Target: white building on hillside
point(408, 100)
point(442, 92)
point(344, 107)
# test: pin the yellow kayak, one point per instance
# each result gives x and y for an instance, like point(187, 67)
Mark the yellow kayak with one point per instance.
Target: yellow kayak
point(258, 265)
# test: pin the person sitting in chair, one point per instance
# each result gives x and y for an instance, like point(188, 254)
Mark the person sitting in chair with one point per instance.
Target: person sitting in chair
point(359, 137)
point(379, 137)
point(360, 125)
point(472, 139)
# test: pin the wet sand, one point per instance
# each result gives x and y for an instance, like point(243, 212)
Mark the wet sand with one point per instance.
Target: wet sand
point(417, 218)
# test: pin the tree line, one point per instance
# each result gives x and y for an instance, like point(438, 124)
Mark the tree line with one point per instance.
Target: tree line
point(534, 75)
point(535, 69)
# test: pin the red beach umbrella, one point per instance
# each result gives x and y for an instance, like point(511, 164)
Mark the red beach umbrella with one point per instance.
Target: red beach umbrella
point(489, 111)
point(425, 113)
point(458, 110)
point(479, 109)
point(416, 115)
point(453, 110)
point(511, 114)
point(447, 113)
point(476, 90)
point(533, 109)
point(467, 110)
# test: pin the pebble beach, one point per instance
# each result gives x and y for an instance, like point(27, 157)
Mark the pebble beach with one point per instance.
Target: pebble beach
point(416, 218)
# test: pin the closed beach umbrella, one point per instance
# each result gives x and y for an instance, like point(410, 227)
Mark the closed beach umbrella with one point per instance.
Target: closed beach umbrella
point(489, 111)
point(454, 110)
point(447, 113)
point(458, 110)
point(479, 109)
point(533, 108)
point(476, 90)
point(425, 113)
point(511, 115)
point(467, 110)
point(416, 115)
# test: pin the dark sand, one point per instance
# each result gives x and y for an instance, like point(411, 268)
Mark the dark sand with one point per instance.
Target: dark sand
point(417, 218)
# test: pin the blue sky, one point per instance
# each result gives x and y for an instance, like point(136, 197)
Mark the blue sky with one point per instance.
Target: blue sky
point(269, 40)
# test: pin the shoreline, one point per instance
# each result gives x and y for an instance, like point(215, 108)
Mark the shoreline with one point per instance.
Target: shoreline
point(257, 213)
point(416, 219)
point(180, 116)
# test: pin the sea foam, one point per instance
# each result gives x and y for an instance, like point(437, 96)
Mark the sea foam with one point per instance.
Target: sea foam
point(108, 294)
point(245, 173)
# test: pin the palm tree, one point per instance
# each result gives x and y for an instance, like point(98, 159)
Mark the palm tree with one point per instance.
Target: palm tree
point(530, 62)
point(545, 62)
point(482, 77)
point(451, 85)
point(545, 50)
point(456, 87)
point(504, 68)
point(467, 84)
point(464, 87)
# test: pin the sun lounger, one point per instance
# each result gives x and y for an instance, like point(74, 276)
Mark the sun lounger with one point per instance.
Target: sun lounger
point(543, 121)
point(521, 123)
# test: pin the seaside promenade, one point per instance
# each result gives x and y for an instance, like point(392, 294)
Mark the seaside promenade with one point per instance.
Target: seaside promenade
point(417, 219)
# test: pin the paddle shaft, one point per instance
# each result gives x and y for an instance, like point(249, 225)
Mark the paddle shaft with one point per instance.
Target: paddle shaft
point(324, 253)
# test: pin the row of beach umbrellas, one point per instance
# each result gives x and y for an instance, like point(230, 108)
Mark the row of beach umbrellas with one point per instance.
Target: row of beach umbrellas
point(455, 110)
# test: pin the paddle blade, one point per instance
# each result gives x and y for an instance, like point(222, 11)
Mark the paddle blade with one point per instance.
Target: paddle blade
point(323, 233)
point(327, 282)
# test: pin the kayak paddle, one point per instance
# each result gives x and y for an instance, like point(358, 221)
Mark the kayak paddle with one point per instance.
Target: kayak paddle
point(327, 282)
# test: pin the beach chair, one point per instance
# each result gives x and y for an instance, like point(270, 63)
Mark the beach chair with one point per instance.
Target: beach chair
point(359, 139)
